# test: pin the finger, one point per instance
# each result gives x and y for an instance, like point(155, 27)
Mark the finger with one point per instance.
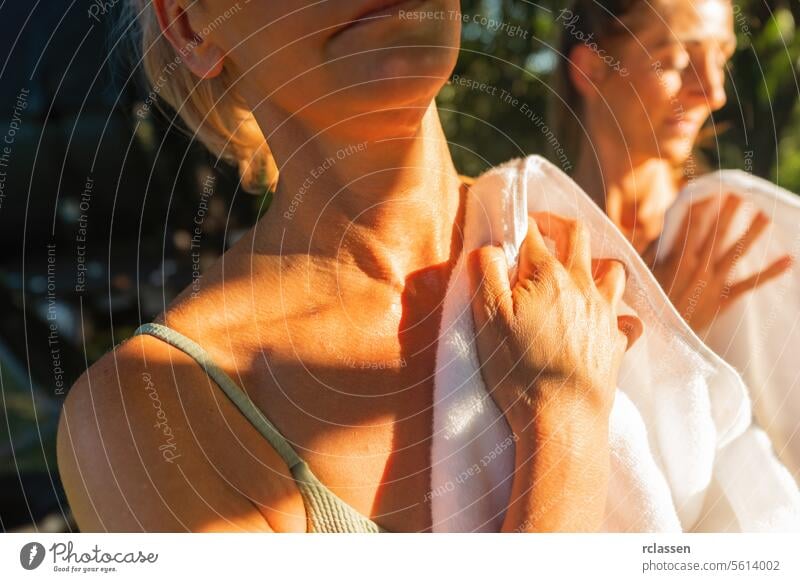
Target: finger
point(689, 266)
point(610, 277)
point(718, 231)
point(682, 258)
point(681, 242)
point(693, 227)
point(757, 227)
point(632, 327)
point(534, 256)
point(776, 269)
point(490, 286)
point(572, 241)
point(614, 209)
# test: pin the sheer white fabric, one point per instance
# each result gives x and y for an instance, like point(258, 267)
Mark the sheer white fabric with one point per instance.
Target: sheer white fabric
point(760, 334)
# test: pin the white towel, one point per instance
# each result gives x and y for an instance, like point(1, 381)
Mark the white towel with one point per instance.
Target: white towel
point(680, 417)
point(760, 334)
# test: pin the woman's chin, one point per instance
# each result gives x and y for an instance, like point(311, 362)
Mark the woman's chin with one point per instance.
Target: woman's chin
point(676, 151)
point(396, 49)
point(397, 77)
point(400, 62)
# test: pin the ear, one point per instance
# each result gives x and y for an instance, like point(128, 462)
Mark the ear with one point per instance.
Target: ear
point(586, 70)
point(200, 55)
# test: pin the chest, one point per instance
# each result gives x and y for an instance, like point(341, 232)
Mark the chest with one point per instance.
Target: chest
point(351, 387)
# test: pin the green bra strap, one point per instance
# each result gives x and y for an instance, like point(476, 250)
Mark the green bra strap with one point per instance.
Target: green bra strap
point(326, 512)
point(231, 389)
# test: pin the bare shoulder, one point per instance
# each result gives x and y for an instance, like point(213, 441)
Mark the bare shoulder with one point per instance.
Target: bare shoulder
point(148, 442)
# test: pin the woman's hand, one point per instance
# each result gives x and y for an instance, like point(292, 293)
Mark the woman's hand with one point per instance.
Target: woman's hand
point(550, 348)
point(697, 273)
point(554, 338)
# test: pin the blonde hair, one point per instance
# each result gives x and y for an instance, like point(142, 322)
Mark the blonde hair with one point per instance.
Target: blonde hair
point(216, 114)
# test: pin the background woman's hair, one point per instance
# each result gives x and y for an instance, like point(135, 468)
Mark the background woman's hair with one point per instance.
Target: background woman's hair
point(214, 112)
point(604, 21)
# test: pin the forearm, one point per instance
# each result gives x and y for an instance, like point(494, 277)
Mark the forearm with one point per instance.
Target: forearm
point(561, 475)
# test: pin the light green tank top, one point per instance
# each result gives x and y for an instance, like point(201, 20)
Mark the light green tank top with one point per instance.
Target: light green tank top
point(326, 512)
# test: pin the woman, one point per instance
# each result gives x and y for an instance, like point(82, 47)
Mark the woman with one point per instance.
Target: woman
point(638, 82)
point(634, 100)
point(327, 311)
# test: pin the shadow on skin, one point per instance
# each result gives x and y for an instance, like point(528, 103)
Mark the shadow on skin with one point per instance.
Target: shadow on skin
point(148, 442)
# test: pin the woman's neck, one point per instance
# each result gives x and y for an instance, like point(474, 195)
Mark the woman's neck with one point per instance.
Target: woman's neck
point(635, 192)
point(386, 203)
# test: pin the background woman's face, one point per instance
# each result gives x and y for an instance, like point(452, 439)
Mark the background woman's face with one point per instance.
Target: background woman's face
point(675, 60)
point(330, 59)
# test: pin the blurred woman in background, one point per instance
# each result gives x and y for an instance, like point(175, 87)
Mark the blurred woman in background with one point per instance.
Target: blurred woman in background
point(636, 85)
point(638, 81)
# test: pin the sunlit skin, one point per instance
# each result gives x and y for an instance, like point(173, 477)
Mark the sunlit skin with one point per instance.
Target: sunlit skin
point(327, 311)
point(643, 126)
